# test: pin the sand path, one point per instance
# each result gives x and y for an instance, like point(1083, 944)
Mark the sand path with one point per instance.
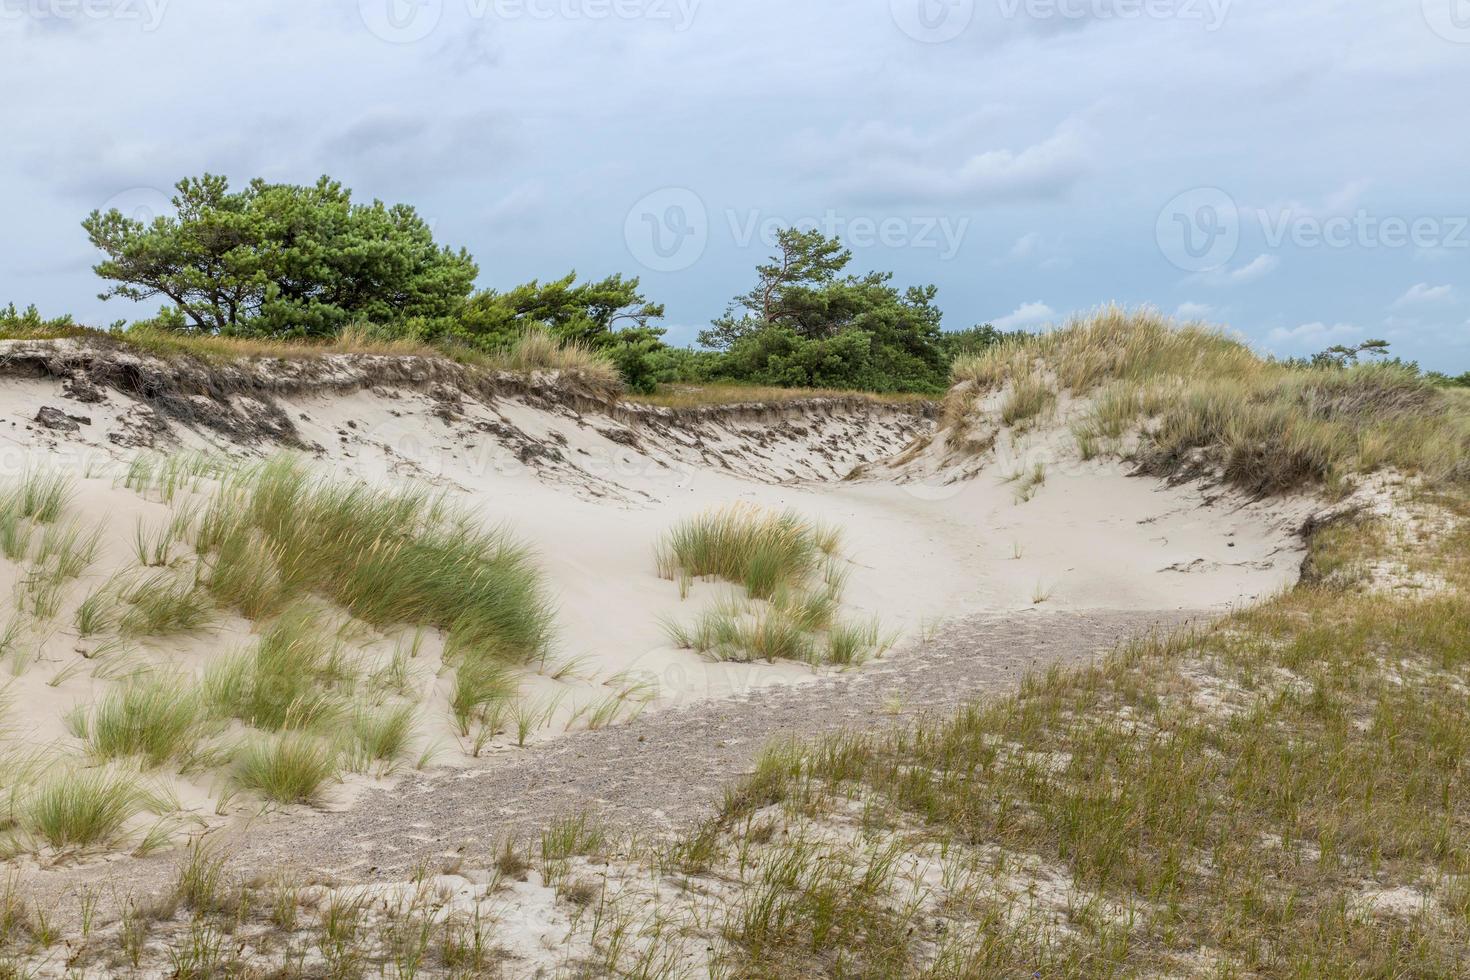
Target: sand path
point(660, 773)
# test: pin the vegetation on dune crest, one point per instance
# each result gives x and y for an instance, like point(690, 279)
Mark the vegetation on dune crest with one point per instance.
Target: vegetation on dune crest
point(1202, 399)
point(262, 269)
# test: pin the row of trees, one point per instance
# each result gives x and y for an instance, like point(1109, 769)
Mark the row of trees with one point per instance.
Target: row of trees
point(284, 260)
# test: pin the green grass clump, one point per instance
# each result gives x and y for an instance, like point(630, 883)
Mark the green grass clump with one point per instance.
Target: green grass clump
point(156, 718)
point(383, 734)
point(852, 643)
point(758, 549)
point(43, 496)
point(743, 632)
point(38, 498)
point(82, 809)
point(293, 678)
point(291, 767)
point(164, 604)
point(483, 688)
point(390, 557)
point(791, 572)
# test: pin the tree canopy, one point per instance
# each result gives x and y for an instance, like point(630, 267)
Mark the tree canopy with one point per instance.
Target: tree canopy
point(807, 324)
point(284, 261)
point(281, 260)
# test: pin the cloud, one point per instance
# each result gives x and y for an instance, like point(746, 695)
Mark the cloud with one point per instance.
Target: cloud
point(1310, 336)
point(1027, 245)
point(1421, 294)
point(907, 169)
point(1345, 198)
point(1257, 268)
point(1193, 311)
point(520, 207)
point(1024, 315)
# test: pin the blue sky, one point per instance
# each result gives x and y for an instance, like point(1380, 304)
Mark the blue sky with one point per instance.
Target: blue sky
point(1296, 171)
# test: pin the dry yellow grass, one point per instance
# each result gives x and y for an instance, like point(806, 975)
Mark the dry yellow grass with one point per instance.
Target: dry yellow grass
point(1205, 402)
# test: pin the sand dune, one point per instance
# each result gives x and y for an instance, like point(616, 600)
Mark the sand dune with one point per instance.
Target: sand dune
point(931, 530)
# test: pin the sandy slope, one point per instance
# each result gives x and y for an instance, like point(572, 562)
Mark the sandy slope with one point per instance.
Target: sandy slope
point(592, 490)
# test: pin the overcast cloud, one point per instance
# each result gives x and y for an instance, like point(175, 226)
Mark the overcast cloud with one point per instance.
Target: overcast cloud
point(1294, 170)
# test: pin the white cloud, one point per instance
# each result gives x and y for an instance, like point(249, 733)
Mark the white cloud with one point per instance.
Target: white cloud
point(520, 206)
point(1027, 245)
point(1346, 198)
point(1193, 311)
point(910, 170)
point(1310, 337)
point(1257, 268)
point(1422, 293)
point(1024, 315)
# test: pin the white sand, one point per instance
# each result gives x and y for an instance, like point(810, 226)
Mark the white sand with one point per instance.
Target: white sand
point(939, 537)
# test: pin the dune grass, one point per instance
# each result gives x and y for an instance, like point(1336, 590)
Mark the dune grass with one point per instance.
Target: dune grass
point(293, 678)
point(390, 557)
point(1030, 396)
point(1277, 794)
point(1203, 401)
point(792, 576)
point(86, 808)
point(156, 718)
point(164, 604)
point(290, 767)
point(483, 689)
point(383, 733)
point(758, 549)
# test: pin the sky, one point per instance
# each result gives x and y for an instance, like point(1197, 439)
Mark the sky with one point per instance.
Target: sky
point(1295, 171)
